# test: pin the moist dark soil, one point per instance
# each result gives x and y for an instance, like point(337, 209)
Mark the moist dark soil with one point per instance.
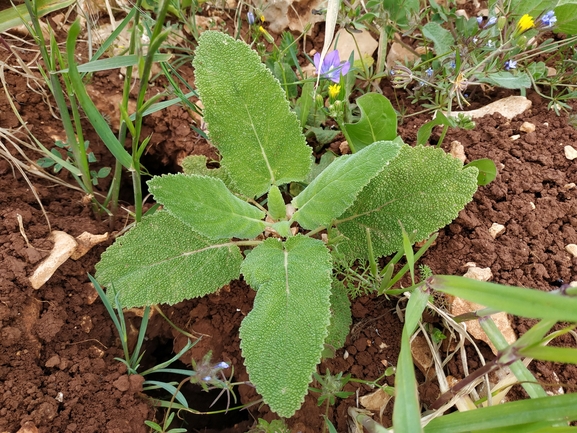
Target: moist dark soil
point(58, 371)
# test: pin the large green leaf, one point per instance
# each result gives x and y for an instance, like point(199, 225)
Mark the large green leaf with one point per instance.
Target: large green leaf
point(341, 318)
point(566, 13)
point(507, 80)
point(442, 39)
point(282, 337)
point(162, 260)
point(336, 188)
point(204, 203)
point(248, 116)
point(378, 122)
point(422, 190)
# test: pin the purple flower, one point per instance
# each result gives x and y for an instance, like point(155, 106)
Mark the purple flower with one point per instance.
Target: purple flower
point(223, 365)
point(332, 67)
point(250, 17)
point(510, 64)
point(429, 72)
point(548, 20)
point(491, 21)
point(480, 20)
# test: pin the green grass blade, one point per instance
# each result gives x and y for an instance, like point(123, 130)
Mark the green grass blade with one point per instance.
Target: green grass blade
point(94, 116)
point(530, 303)
point(114, 35)
point(522, 428)
point(169, 388)
point(521, 372)
point(116, 63)
point(557, 408)
point(14, 16)
point(553, 354)
point(407, 411)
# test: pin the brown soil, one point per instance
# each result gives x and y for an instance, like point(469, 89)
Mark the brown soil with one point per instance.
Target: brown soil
point(57, 344)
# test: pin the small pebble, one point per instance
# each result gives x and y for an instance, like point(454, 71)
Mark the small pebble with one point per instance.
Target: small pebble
point(344, 148)
point(571, 249)
point(479, 274)
point(532, 205)
point(570, 152)
point(496, 229)
point(569, 186)
point(458, 151)
point(515, 137)
point(527, 127)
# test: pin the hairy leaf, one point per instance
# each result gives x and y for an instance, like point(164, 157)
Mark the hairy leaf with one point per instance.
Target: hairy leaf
point(378, 122)
point(442, 39)
point(341, 318)
point(206, 205)
point(507, 80)
point(162, 260)
point(336, 188)
point(422, 189)
point(282, 337)
point(248, 116)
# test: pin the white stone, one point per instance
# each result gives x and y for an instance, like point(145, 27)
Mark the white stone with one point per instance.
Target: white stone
point(361, 44)
point(570, 152)
point(569, 186)
point(479, 274)
point(64, 246)
point(571, 249)
point(532, 205)
point(280, 14)
point(458, 150)
point(462, 13)
point(399, 54)
point(527, 127)
point(515, 137)
point(507, 107)
point(496, 229)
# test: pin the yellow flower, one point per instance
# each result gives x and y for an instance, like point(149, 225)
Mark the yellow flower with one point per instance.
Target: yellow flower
point(525, 23)
point(334, 90)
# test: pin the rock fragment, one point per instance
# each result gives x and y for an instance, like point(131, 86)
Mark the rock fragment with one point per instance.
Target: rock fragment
point(496, 229)
point(527, 127)
point(507, 107)
point(571, 249)
point(570, 153)
point(458, 151)
point(64, 246)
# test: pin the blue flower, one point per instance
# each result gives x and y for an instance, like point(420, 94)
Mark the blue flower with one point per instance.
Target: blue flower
point(332, 67)
point(480, 20)
point(250, 17)
point(510, 64)
point(222, 365)
point(429, 72)
point(491, 21)
point(548, 20)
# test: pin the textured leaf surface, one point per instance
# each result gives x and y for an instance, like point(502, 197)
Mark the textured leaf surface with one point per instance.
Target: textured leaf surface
point(249, 119)
point(378, 122)
point(282, 337)
point(341, 318)
point(336, 188)
point(162, 260)
point(442, 39)
point(423, 189)
point(206, 205)
point(507, 80)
